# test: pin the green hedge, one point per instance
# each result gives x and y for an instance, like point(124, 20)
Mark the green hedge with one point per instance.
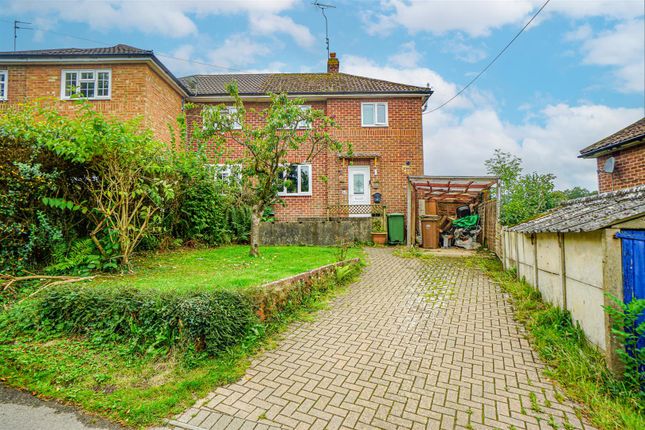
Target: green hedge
point(149, 320)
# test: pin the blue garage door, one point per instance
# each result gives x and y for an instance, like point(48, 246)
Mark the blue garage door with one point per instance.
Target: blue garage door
point(634, 269)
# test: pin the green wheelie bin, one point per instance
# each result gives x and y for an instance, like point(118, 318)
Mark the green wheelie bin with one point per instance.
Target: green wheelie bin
point(395, 229)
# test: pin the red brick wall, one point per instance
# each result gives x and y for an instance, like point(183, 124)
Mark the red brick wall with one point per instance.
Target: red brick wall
point(137, 91)
point(163, 105)
point(629, 169)
point(399, 143)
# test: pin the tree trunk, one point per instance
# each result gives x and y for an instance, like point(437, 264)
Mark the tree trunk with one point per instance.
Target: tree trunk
point(256, 216)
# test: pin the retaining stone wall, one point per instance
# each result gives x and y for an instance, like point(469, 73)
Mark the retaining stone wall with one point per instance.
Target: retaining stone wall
point(320, 232)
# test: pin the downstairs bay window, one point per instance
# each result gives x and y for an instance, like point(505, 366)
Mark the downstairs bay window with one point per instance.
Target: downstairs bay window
point(297, 179)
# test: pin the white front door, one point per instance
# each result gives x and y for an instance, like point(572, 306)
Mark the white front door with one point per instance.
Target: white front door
point(359, 189)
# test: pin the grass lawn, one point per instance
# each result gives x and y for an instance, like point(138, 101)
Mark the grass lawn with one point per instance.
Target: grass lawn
point(225, 267)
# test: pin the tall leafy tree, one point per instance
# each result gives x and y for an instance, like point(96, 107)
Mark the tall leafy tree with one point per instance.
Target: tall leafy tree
point(284, 133)
point(524, 196)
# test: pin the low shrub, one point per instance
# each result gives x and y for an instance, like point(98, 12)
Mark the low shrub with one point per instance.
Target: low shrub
point(150, 321)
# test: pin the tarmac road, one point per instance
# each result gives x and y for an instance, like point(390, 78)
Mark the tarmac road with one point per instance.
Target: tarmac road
point(22, 411)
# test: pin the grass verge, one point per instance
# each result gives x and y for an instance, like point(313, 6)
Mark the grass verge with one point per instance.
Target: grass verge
point(138, 390)
point(572, 361)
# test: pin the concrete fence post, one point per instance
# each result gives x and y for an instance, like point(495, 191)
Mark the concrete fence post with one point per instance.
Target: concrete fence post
point(563, 271)
point(613, 285)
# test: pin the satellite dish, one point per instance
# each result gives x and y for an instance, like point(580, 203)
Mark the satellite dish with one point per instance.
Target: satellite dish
point(609, 166)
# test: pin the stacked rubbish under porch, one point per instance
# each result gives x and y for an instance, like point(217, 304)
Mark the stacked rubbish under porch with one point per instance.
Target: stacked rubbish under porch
point(452, 211)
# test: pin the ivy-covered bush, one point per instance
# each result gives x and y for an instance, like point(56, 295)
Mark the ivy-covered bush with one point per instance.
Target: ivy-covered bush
point(148, 320)
point(30, 231)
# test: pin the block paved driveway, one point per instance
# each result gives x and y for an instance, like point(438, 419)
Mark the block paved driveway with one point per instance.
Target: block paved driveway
point(413, 344)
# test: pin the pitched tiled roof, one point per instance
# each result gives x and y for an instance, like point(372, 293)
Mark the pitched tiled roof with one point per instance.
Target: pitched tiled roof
point(296, 83)
point(589, 213)
point(627, 135)
point(76, 52)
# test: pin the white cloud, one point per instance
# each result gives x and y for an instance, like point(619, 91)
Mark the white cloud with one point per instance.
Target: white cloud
point(581, 33)
point(271, 23)
point(463, 51)
point(169, 18)
point(237, 50)
point(408, 56)
point(622, 48)
point(478, 18)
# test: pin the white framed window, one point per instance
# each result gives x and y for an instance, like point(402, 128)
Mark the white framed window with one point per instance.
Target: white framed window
point(232, 110)
point(4, 84)
point(87, 84)
point(374, 114)
point(302, 125)
point(226, 172)
point(298, 180)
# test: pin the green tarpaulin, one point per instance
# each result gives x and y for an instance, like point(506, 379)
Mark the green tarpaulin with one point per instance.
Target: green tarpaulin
point(469, 221)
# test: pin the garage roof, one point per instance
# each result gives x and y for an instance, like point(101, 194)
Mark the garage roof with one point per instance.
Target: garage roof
point(452, 188)
point(589, 213)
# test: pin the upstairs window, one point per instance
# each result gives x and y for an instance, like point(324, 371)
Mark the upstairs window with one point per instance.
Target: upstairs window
point(304, 124)
point(374, 114)
point(232, 110)
point(301, 125)
point(4, 83)
point(87, 84)
point(298, 180)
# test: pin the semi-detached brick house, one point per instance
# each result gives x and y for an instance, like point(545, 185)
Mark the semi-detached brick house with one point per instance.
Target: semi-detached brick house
point(381, 119)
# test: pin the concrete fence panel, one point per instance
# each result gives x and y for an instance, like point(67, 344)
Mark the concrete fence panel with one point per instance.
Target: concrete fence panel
point(568, 270)
point(548, 273)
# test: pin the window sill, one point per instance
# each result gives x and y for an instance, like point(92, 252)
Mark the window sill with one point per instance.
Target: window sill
point(375, 126)
point(94, 99)
point(295, 195)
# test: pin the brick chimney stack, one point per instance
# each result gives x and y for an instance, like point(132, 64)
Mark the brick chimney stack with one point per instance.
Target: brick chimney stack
point(333, 65)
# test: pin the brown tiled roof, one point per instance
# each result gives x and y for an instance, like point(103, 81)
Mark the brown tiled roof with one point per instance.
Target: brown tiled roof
point(296, 83)
point(627, 135)
point(75, 52)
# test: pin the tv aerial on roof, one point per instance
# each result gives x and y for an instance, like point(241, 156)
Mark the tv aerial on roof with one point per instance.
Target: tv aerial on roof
point(610, 165)
point(322, 8)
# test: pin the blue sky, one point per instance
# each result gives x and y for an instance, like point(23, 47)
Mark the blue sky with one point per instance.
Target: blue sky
point(576, 74)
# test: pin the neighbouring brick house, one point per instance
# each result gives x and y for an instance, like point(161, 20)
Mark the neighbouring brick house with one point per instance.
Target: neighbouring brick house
point(627, 149)
point(382, 120)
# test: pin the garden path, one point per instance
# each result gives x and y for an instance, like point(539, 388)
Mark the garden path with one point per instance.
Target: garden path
point(427, 344)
